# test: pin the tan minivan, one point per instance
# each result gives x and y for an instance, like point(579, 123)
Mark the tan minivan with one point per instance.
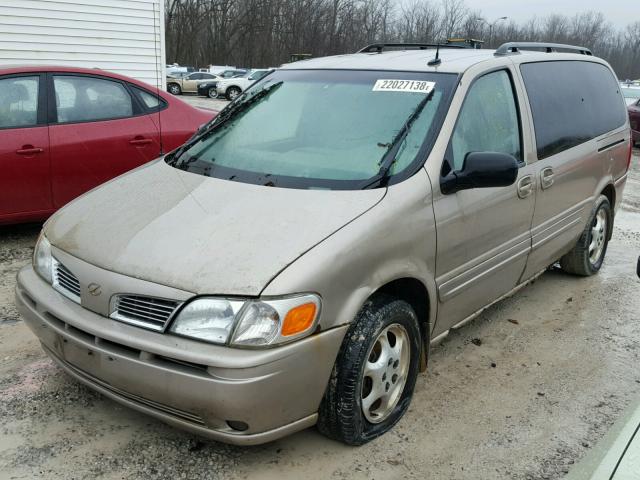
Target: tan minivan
point(292, 263)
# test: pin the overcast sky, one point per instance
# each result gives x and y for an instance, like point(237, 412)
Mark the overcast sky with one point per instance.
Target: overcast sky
point(618, 12)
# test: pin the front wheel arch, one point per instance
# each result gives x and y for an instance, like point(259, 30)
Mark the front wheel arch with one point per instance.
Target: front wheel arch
point(415, 293)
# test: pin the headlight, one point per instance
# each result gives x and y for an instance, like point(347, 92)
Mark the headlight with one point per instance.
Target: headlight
point(209, 319)
point(42, 259)
point(248, 323)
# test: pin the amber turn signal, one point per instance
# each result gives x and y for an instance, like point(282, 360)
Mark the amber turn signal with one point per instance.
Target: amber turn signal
point(299, 319)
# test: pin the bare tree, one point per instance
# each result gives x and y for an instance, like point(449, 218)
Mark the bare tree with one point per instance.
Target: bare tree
point(263, 33)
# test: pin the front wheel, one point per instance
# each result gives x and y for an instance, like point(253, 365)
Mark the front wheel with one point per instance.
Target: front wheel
point(233, 93)
point(212, 93)
point(587, 256)
point(375, 373)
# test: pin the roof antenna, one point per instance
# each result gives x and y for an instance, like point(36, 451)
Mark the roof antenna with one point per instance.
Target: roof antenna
point(435, 61)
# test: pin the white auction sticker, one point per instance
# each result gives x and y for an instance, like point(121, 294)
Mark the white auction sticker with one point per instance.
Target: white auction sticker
point(409, 86)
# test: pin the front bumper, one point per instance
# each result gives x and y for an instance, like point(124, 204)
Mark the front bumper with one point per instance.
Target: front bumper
point(206, 389)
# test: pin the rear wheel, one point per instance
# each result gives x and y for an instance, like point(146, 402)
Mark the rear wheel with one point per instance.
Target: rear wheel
point(587, 256)
point(375, 373)
point(174, 89)
point(233, 93)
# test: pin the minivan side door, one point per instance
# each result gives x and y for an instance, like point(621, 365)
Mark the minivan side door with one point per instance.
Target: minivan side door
point(576, 108)
point(483, 235)
point(24, 149)
point(98, 130)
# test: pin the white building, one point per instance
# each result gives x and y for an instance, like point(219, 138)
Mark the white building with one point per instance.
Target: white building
point(123, 36)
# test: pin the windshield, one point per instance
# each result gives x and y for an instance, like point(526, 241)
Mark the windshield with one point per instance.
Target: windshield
point(322, 129)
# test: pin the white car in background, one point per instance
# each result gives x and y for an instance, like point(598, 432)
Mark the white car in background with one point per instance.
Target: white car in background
point(231, 88)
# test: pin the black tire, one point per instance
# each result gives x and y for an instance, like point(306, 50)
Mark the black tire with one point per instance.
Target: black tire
point(212, 93)
point(174, 89)
point(578, 261)
point(341, 415)
point(231, 91)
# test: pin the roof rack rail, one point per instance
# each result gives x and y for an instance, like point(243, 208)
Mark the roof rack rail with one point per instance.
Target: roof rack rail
point(515, 47)
point(379, 47)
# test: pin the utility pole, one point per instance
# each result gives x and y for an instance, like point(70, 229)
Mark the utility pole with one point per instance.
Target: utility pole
point(491, 26)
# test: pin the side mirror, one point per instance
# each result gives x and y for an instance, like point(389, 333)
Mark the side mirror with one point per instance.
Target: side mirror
point(482, 170)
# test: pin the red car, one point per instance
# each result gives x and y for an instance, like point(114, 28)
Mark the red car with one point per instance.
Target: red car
point(64, 130)
point(634, 118)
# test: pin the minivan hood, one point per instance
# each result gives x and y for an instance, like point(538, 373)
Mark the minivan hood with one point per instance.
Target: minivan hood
point(200, 234)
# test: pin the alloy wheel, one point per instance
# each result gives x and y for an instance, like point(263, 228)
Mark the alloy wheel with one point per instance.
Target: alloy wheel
point(385, 373)
point(598, 236)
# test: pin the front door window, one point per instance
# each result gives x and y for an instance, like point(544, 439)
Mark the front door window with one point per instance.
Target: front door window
point(488, 121)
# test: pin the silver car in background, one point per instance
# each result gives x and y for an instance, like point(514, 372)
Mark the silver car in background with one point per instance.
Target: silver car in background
point(292, 263)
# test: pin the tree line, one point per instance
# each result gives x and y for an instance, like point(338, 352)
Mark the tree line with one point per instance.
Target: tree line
point(264, 33)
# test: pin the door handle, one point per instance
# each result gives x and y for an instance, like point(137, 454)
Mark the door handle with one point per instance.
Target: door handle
point(29, 150)
point(140, 141)
point(546, 178)
point(525, 186)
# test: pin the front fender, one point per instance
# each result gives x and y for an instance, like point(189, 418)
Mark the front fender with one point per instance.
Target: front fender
point(394, 239)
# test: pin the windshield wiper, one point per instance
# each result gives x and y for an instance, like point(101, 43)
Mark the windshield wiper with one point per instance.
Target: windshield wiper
point(389, 157)
point(227, 114)
point(240, 107)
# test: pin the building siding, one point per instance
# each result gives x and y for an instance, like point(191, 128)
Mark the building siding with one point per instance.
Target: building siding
point(122, 36)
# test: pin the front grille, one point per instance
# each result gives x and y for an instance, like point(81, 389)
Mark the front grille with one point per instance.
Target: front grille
point(148, 312)
point(65, 282)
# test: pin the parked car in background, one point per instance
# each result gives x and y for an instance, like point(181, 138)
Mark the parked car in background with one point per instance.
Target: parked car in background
point(208, 88)
point(630, 94)
point(232, 87)
point(188, 83)
point(293, 262)
point(65, 130)
point(634, 120)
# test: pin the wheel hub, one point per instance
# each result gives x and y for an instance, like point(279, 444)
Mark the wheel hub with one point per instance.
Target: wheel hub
point(385, 373)
point(598, 236)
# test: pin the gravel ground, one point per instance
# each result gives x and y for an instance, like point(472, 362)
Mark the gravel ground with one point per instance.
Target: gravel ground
point(522, 392)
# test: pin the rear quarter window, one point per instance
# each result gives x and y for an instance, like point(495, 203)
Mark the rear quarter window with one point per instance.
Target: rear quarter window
point(571, 102)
